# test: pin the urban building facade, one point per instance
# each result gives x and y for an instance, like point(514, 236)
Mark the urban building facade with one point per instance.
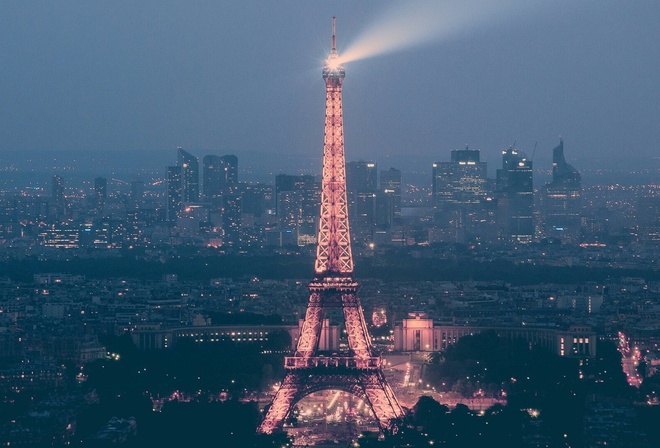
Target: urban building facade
point(515, 196)
point(562, 199)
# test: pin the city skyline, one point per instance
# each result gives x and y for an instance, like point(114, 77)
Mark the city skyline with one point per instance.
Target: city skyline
point(152, 298)
point(119, 77)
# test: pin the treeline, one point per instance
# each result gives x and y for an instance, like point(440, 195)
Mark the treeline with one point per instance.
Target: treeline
point(401, 267)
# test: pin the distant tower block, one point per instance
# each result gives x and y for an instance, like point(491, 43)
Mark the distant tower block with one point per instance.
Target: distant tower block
point(357, 371)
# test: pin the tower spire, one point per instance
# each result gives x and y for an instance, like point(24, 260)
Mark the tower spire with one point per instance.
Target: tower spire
point(334, 38)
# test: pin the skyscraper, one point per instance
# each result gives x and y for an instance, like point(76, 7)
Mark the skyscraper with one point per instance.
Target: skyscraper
point(515, 194)
point(137, 193)
point(459, 190)
point(648, 219)
point(388, 207)
point(57, 196)
point(218, 172)
point(100, 193)
point(562, 199)
point(189, 176)
point(461, 180)
point(361, 177)
point(174, 193)
point(361, 187)
point(297, 201)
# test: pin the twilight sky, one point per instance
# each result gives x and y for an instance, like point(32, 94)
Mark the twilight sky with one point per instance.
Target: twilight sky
point(245, 77)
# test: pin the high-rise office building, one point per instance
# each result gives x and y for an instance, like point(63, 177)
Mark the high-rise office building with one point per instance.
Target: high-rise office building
point(257, 212)
point(515, 195)
point(297, 200)
point(57, 196)
point(388, 200)
point(189, 176)
point(231, 219)
point(361, 189)
point(648, 218)
point(562, 199)
point(100, 193)
point(461, 180)
point(361, 176)
point(174, 193)
point(137, 193)
point(218, 173)
point(459, 193)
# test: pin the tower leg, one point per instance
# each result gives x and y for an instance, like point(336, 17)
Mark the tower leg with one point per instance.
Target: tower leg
point(281, 406)
point(384, 404)
point(308, 342)
point(358, 337)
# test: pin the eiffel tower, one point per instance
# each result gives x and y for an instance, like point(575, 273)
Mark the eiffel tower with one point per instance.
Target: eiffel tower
point(356, 371)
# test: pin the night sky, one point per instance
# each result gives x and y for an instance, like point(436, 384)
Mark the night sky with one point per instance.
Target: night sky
point(245, 77)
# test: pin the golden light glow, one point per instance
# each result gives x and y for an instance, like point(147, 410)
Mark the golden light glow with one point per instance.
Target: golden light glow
point(333, 62)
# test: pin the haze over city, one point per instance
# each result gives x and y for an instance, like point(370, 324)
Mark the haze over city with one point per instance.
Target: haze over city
point(241, 77)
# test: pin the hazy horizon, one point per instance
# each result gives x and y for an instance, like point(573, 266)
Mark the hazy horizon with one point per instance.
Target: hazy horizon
point(245, 78)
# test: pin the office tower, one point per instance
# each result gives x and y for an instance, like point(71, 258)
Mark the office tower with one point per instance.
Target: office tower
point(297, 203)
point(231, 169)
point(189, 176)
point(648, 219)
point(461, 180)
point(459, 193)
point(357, 369)
point(515, 195)
point(100, 193)
point(174, 193)
point(388, 201)
point(258, 200)
point(361, 177)
point(57, 196)
point(362, 186)
point(562, 199)
point(231, 219)
point(218, 173)
point(137, 193)
point(257, 213)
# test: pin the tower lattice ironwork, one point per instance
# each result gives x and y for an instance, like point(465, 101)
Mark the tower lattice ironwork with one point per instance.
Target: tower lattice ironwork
point(357, 371)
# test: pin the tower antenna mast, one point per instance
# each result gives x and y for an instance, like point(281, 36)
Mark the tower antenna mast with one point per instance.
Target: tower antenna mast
point(334, 39)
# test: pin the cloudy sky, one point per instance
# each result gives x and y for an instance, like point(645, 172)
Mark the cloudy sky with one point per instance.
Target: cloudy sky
point(245, 77)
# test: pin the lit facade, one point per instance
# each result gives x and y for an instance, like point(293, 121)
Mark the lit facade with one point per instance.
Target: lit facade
point(462, 208)
point(562, 200)
point(189, 176)
point(297, 200)
point(154, 337)
point(420, 333)
point(461, 180)
point(174, 193)
point(100, 193)
point(515, 195)
point(219, 172)
point(58, 201)
point(362, 188)
point(648, 218)
point(388, 200)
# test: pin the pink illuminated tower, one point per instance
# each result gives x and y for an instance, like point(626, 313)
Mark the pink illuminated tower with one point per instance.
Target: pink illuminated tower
point(357, 370)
